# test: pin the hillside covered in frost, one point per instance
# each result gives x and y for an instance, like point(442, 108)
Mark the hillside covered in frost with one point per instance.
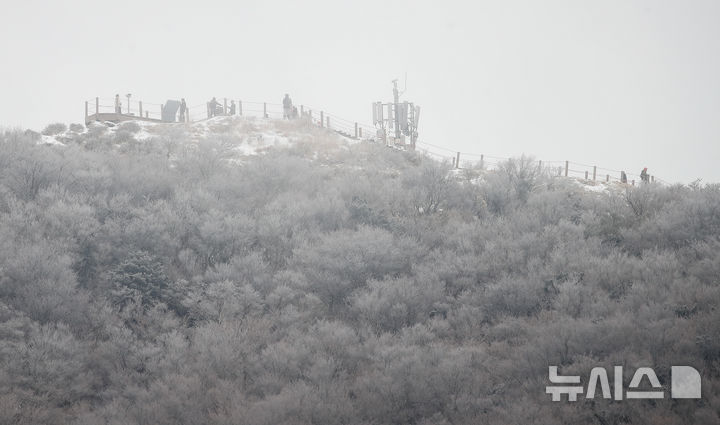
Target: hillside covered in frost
point(266, 272)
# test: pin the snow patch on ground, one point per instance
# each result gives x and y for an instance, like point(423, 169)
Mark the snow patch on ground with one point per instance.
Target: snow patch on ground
point(599, 186)
point(50, 140)
point(243, 136)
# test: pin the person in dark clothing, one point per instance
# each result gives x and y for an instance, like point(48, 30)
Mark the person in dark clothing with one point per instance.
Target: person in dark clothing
point(232, 107)
point(213, 106)
point(644, 176)
point(623, 177)
point(182, 110)
point(287, 107)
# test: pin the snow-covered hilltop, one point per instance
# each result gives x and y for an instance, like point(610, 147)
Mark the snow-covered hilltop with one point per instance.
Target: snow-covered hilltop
point(238, 137)
point(245, 135)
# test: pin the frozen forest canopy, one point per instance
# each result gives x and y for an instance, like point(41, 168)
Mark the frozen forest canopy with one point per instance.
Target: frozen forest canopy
point(264, 272)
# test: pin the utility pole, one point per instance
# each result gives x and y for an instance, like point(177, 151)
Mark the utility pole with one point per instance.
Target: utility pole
point(415, 120)
point(396, 107)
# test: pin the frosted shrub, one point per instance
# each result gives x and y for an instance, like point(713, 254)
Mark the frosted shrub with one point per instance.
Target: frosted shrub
point(53, 129)
point(131, 127)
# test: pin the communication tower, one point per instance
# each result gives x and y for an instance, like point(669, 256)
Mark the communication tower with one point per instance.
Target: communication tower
point(399, 118)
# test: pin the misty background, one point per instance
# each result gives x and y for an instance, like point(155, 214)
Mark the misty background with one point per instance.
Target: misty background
point(620, 84)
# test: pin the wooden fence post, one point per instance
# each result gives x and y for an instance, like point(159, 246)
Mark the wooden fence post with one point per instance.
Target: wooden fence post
point(457, 161)
point(265, 115)
point(482, 161)
point(360, 129)
point(355, 123)
point(607, 178)
point(594, 171)
point(567, 165)
point(586, 175)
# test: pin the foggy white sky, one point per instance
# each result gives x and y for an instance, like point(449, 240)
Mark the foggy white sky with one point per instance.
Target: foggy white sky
point(621, 84)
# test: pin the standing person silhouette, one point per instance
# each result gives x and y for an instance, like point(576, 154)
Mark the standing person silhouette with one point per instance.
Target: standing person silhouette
point(213, 107)
point(287, 107)
point(644, 176)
